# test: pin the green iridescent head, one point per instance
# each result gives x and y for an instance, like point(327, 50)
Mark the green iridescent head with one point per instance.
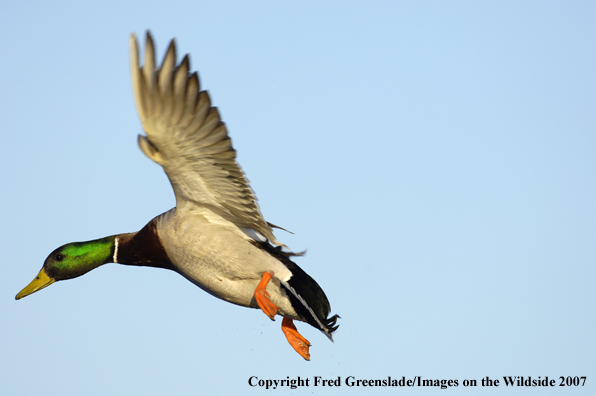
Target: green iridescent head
point(70, 261)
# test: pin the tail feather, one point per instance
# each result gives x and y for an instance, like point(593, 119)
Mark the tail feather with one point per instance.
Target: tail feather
point(308, 299)
point(326, 325)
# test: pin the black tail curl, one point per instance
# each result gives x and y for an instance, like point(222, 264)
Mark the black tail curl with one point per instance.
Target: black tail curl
point(307, 297)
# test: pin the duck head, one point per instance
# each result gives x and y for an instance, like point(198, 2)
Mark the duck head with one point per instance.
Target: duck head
point(70, 261)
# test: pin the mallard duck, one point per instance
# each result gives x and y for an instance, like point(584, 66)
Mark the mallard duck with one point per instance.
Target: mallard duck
point(216, 236)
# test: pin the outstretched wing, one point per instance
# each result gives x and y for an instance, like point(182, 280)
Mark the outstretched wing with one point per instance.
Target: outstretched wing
point(187, 138)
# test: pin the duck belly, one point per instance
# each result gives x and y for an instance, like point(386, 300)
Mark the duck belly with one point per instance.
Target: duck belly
point(220, 259)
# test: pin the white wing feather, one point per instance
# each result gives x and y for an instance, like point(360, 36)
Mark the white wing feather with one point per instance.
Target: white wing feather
point(186, 136)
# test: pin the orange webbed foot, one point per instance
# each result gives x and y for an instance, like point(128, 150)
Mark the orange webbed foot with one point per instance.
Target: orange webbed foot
point(262, 297)
point(299, 343)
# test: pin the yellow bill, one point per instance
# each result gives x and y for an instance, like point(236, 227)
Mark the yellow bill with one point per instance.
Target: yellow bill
point(41, 280)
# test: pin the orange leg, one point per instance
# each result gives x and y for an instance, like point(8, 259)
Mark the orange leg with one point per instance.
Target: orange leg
point(262, 297)
point(299, 343)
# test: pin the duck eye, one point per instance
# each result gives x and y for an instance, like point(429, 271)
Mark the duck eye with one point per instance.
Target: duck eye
point(59, 257)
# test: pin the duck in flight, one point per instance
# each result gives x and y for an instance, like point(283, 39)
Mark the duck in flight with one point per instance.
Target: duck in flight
point(216, 236)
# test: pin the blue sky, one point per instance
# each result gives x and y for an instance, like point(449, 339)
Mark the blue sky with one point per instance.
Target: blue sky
point(435, 159)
